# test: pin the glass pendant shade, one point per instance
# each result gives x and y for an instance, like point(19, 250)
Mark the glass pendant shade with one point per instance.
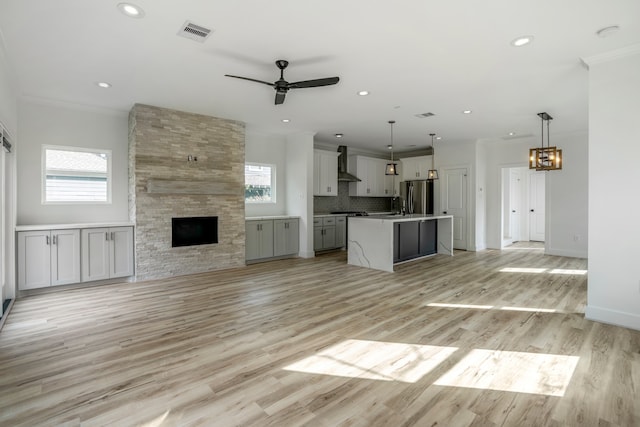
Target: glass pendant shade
point(432, 174)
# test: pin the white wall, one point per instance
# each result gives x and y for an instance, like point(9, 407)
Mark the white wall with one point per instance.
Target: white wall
point(41, 123)
point(614, 229)
point(270, 149)
point(300, 187)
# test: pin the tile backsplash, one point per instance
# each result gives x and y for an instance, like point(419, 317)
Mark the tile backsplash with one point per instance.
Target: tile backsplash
point(343, 202)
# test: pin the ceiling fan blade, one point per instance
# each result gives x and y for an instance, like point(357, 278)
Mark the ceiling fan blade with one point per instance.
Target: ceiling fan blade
point(252, 80)
point(314, 83)
point(280, 97)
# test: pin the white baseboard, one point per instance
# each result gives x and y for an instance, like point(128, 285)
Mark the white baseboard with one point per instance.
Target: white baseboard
point(567, 253)
point(613, 317)
point(305, 254)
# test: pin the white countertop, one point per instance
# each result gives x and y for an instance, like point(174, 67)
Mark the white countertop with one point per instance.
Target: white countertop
point(401, 218)
point(264, 218)
point(41, 227)
point(376, 214)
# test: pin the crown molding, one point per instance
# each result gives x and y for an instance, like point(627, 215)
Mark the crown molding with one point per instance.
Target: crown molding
point(612, 55)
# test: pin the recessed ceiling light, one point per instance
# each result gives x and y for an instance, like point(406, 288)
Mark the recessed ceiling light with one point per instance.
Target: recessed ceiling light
point(339, 135)
point(131, 10)
point(285, 120)
point(511, 133)
point(103, 85)
point(607, 31)
point(467, 112)
point(363, 93)
point(522, 41)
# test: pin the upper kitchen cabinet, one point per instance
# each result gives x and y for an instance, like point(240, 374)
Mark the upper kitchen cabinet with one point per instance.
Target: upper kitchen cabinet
point(325, 173)
point(415, 167)
point(373, 180)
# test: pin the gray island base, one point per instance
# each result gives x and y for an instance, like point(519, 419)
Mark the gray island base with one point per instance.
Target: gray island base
point(379, 242)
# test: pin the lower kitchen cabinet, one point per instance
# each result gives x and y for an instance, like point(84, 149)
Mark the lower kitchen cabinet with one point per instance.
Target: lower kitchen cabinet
point(107, 253)
point(259, 242)
point(48, 258)
point(286, 237)
point(270, 238)
point(324, 233)
point(414, 239)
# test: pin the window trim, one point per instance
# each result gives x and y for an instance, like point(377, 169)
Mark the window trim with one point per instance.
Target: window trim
point(273, 183)
point(43, 171)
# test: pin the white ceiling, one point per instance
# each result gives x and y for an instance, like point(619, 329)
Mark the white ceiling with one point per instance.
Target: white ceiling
point(414, 56)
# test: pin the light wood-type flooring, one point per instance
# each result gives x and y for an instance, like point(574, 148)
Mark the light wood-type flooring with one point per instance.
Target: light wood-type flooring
point(490, 338)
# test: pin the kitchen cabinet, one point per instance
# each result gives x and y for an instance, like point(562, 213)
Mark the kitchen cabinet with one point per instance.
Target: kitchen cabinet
point(428, 238)
point(341, 231)
point(259, 243)
point(286, 237)
point(324, 233)
point(270, 238)
point(373, 182)
point(408, 245)
point(107, 253)
point(415, 167)
point(48, 258)
point(325, 173)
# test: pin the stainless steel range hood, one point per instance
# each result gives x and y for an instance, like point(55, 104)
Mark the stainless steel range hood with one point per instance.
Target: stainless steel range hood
point(343, 175)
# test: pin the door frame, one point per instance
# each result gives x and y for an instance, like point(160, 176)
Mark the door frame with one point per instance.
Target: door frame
point(469, 200)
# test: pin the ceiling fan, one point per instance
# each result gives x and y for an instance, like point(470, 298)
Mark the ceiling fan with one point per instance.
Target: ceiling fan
point(282, 86)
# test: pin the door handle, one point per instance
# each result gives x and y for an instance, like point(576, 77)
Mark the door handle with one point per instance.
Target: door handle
point(513, 211)
point(531, 210)
point(47, 239)
point(55, 241)
point(444, 212)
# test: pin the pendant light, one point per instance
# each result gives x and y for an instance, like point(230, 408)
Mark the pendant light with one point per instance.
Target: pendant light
point(392, 167)
point(432, 174)
point(545, 158)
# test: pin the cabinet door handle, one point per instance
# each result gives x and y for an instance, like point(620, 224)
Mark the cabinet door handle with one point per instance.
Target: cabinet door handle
point(113, 235)
point(47, 239)
point(106, 236)
point(54, 240)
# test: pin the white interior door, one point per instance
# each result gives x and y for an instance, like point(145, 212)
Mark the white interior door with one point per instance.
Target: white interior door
point(537, 206)
point(454, 202)
point(515, 204)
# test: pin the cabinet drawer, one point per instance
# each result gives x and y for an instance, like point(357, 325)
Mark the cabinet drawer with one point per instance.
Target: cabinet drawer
point(330, 220)
point(341, 220)
point(317, 221)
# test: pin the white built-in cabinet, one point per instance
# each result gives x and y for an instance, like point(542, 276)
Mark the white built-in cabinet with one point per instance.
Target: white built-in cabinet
point(48, 258)
point(107, 253)
point(415, 167)
point(325, 173)
point(373, 181)
point(269, 238)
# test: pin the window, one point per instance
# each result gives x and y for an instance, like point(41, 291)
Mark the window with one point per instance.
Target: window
point(76, 175)
point(259, 183)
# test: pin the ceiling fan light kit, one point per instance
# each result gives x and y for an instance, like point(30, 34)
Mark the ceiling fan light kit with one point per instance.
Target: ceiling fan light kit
point(282, 86)
point(545, 158)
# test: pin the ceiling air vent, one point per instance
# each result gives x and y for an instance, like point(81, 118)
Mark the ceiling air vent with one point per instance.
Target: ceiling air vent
point(424, 115)
point(194, 32)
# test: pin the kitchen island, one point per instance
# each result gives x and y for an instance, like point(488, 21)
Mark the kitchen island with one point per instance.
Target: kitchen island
point(379, 242)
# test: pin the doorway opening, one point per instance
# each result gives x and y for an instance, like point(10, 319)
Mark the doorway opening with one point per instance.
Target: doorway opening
point(523, 205)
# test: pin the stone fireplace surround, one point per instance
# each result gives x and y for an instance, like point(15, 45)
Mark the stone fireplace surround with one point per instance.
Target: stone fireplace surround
point(164, 183)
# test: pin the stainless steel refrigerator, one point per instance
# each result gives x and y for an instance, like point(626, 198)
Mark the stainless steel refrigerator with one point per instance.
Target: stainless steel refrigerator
point(417, 196)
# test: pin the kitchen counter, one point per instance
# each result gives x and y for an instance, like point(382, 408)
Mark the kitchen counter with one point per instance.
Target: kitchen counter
point(267, 217)
point(372, 238)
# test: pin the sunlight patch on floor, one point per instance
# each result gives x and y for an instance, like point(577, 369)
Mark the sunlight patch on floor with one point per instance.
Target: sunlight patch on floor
point(543, 270)
point(492, 307)
point(375, 360)
point(512, 371)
